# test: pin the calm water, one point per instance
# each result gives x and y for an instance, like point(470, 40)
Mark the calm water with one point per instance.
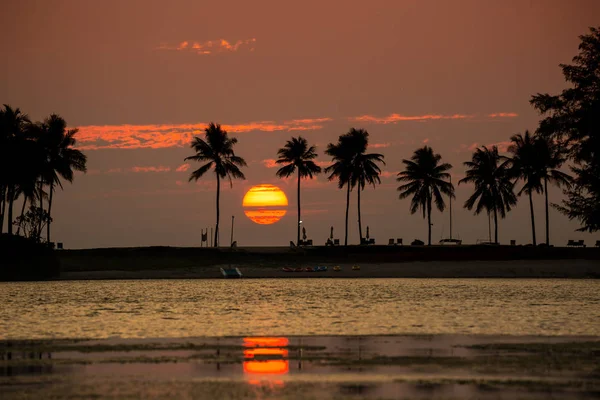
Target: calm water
point(182, 308)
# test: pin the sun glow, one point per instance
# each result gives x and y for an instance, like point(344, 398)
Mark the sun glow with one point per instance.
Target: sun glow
point(265, 204)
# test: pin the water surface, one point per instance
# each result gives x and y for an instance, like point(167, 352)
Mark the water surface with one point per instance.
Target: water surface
point(194, 308)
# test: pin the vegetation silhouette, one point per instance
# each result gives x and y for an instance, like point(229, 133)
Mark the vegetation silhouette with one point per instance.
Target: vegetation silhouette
point(365, 171)
point(217, 152)
point(493, 187)
point(551, 157)
point(296, 155)
point(425, 183)
point(571, 118)
point(32, 156)
point(524, 166)
point(348, 158)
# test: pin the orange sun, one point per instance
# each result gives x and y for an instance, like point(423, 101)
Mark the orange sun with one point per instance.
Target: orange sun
point(265, 204)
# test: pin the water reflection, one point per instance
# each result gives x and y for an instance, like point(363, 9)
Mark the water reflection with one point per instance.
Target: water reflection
point(266, 360)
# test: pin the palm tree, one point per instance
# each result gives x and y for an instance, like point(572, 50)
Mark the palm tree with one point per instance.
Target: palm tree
point(493, 185)
point(551, 157)
point(13, 124)
point(343, 155)
point(425, 176)
point(61, 159)
point(365, 171)
point(297, 155)
point(217, 151)
point(525, 166)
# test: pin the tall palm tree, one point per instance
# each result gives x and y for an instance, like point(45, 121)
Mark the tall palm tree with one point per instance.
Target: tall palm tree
point(61, 159)
point(525, 166)
point(343, 154)
point(13, 124)
point(365, 171)
point(217, 151)
point(425, 183)
point(493, 185)
point(297, 155)
point(551, 157)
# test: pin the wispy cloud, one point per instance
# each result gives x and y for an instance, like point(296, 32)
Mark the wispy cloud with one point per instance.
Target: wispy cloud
point(160, 168)
point(388, 174)
point(183, 168)
point(379, 145)
point(95, 137)
point(210, 46)
point(503, 115)
point(395, 118)
point(270, 163)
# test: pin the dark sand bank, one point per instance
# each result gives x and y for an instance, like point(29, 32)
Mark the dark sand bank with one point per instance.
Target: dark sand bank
point(309, 367)
point(375, 261)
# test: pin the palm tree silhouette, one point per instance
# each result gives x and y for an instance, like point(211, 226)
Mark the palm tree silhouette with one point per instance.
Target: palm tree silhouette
point(297, 155)
point(425, 176)
point(217, 152)
point(493, 185)
point(551, 156)
point(365, 171)
point(13, 124)
point(61, 159)
point(525, 166)
point(343, 155)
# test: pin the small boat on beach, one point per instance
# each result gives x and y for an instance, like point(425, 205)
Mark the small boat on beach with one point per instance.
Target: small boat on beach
point(309, 269)
point(287, 269)
point(337, 268)
point(356, 268)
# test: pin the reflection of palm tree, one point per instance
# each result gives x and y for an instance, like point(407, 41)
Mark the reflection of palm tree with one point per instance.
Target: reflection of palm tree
point(551, 157)
point(493, 186)
point(61, 158)
point(12, 157)
point(297, 155)
point(365, 170)
point(525, 166)
point(425, 183)
point(217, 152)
point(343, 155)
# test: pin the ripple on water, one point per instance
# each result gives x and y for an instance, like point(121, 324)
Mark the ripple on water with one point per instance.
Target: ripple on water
point(176, 308)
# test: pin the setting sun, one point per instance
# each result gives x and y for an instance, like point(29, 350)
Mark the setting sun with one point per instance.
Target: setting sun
point(265, 204)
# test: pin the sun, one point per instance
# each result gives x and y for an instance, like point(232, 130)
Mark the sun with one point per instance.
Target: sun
point(265, 204)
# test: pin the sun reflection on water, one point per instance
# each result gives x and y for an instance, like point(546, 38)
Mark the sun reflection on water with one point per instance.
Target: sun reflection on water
point(266, 360)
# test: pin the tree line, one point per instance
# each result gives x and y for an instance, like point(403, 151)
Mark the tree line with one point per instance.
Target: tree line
point(35, 158)
point(569, 131)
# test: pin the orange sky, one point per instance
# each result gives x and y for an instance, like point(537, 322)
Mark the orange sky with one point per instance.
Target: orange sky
point(140, 78)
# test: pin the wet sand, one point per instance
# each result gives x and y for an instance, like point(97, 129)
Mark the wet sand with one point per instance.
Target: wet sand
point(323, 367)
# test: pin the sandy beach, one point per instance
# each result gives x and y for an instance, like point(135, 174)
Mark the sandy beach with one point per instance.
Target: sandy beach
point(374, 262)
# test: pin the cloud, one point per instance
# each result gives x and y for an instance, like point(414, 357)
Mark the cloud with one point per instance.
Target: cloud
point(183, 168)
point(503, 115)
point(270, 163)
point(160, 168)
point(210, 46)
point(394, 118)
point(388, 174)
point(96, 137)
point(379, 145)
point(426, 140)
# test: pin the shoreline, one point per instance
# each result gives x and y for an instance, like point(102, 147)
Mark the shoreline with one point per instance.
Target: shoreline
point(375, 262)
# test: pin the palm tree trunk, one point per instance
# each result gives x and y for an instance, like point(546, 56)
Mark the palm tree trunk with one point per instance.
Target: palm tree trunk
point(347, 208)
point(3, 207)
point(22, 214)
point(49, 210)
point(429, 220)
point(359, 221)
point(547, 213)
point(495, 225)
point(217, 226)
point(11, 200)
point(532, 218)
point(298, 227)
point(39, 227)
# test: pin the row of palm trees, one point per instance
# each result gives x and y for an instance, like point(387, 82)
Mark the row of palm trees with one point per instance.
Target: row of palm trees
point(533, 160)
point(34, 158)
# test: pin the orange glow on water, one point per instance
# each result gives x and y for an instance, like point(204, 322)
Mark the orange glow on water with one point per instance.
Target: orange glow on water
point(265, 204)
point(265, 356)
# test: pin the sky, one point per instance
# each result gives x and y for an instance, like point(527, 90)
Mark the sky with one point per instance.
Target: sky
point(141, 78)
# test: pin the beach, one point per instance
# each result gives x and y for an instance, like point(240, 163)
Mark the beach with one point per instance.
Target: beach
point(374, 262)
